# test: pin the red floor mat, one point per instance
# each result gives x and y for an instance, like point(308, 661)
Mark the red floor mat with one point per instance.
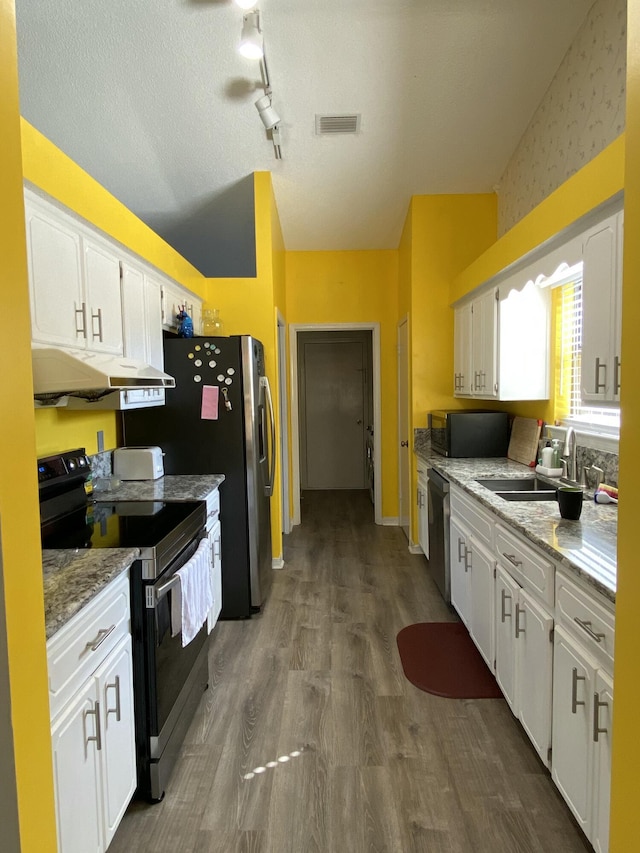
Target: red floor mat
point(441, 658)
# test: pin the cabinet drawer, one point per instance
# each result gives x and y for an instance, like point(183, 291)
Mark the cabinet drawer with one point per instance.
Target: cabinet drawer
point(77, 649)
point(475, 518)
point(588, 617)
point(527, 565)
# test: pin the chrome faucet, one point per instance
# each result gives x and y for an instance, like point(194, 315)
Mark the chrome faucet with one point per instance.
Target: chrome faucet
point(569, 453)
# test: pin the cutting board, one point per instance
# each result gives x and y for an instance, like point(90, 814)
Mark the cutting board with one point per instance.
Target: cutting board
point(523, 444)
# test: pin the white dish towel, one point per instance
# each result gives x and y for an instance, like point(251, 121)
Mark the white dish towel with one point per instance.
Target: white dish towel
point(192, 598)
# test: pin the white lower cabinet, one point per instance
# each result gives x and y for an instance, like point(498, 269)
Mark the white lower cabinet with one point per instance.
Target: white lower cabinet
point(524, 658)
point(583, 706)
point(215, 543)
point(460, 566)
point(92, 731)
point(472, 567)
point(422, 502)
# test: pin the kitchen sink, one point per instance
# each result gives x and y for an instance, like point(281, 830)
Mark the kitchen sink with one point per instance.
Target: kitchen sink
point(520, 489)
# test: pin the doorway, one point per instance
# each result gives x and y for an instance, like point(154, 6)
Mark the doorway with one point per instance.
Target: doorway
point(336, 383)
point(335, 408)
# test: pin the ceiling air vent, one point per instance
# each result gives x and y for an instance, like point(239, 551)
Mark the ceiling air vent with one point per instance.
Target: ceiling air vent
point(343, 123)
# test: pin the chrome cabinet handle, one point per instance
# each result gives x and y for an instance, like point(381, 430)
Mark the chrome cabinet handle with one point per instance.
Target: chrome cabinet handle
point(97, 737)
point(617, 364)
point(575, 678)
point(83, 313)
point(117, 709)
point(518, 629)
point(586, 626)
point(512, 559)
point(467, 563)
point(98, 317)
point(503, 611)
point(600, 386)
point(597, 730)
point(461, 556)
point(102, 635)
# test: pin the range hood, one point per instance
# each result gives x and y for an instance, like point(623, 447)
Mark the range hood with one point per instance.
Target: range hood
point(78, 373)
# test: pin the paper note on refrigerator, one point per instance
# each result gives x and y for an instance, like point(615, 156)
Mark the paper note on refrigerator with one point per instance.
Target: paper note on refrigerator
point(209, 410)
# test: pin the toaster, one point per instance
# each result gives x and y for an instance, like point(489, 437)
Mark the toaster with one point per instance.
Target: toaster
point(138, 463)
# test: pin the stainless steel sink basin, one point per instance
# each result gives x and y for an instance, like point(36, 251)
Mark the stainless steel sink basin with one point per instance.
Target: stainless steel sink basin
point(520, 489)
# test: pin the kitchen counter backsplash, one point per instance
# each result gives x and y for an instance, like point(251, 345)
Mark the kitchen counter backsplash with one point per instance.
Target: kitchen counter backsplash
point(101, 467)
point(422, 440)
point(607, 461)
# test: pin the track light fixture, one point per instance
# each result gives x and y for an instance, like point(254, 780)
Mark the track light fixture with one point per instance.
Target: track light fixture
point(251, 44)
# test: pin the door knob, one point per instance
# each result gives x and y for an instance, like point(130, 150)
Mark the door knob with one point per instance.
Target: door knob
point(404, 444)
point(359, 421)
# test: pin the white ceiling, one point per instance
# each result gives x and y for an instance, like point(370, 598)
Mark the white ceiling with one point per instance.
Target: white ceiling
point(153, 100)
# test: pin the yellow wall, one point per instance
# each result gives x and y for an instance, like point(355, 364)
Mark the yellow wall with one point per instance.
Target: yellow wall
point(248, 307)
point(441, 236)
point(596, 182)
point(355, 287)
point(626, 743)
point(21, 571)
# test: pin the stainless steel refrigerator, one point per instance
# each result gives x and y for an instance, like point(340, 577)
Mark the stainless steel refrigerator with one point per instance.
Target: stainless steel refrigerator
point(219, 420)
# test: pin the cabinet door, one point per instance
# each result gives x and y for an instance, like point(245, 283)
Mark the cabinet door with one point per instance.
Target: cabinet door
point(484, 343)
point(133, 312)
point(102, 295)
point(506, 598)
point(215, 543)
point(58, 311)
point(115, 688)
point(482, 597)
point(422, 499)
point(462, 379)
point(601, 736)
point(76, 769)
point(534, 663)
point(153, 324)
point(460, 552)
point(599, 277)
point(571, 764)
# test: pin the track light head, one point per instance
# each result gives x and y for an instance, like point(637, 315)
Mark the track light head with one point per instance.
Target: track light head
point(269, 116)
point(251, 44)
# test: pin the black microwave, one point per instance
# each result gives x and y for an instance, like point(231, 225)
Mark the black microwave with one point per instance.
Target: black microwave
point(469, 432)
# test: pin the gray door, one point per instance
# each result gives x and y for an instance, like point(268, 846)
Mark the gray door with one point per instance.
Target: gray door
point(335, 408)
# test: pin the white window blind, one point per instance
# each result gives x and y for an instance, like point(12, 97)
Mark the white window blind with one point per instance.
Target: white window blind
point(569, 383)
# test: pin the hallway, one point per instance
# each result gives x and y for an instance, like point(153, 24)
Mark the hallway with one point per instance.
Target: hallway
point(310, 739)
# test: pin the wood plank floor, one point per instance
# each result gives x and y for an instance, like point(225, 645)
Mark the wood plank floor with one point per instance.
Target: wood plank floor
point(311, 739)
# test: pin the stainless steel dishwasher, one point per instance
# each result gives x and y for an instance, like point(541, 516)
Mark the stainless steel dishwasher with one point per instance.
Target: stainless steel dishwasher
point(439, 513)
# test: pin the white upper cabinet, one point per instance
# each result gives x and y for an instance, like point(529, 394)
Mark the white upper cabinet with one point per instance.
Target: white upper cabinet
point(501, 345)
point(74, 282)
point(602, 315)
point(173, 298)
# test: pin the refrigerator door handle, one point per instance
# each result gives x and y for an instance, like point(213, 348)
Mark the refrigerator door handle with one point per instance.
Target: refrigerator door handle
point(268, 489)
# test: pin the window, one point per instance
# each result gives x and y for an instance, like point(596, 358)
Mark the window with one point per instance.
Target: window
point(568, 383)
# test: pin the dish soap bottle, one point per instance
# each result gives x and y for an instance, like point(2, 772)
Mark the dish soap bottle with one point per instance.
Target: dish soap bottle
point(547, 455)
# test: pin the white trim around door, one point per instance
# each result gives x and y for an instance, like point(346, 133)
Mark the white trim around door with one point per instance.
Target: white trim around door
point(374, 328)
point(284, 423)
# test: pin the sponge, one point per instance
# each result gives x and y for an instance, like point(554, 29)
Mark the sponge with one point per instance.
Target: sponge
point(610, 490)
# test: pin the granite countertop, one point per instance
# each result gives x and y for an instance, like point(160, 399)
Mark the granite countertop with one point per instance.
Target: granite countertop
point(587, 546)
point(72, 577)
point(171, 487)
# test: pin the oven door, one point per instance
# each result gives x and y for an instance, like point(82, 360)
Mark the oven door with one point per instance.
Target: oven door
point(168, 678)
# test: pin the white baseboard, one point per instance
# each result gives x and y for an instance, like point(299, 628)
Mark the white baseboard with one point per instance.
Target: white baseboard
point(277, 563)
point(389, 521)
point(415, 549)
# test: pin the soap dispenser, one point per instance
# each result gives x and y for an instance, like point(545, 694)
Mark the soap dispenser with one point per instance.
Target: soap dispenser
point(547, 455)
